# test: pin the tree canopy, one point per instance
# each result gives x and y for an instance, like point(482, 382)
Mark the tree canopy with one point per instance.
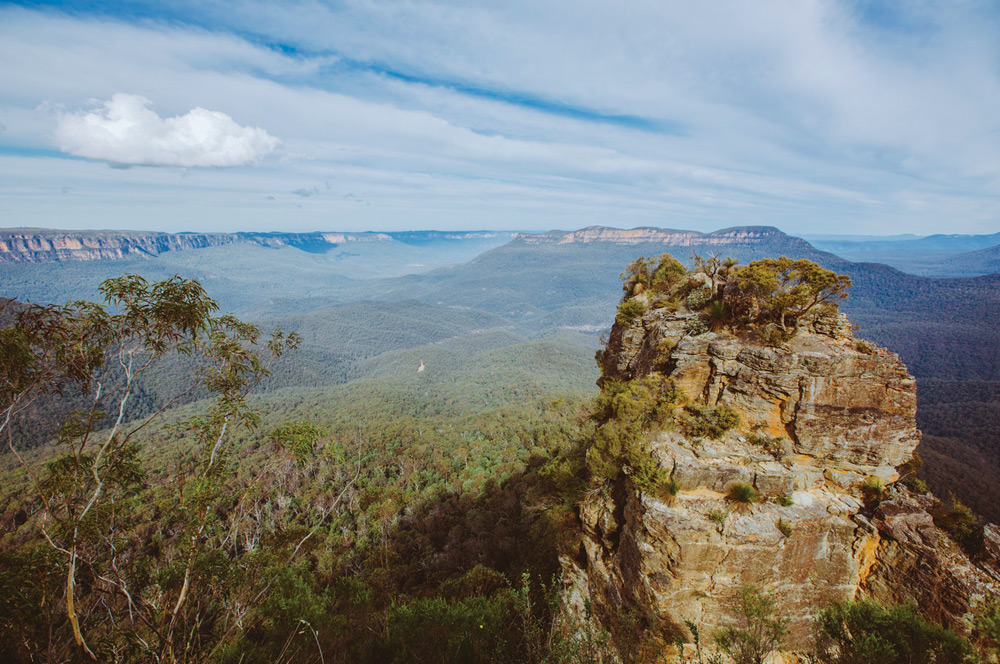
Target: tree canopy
point(782, 291)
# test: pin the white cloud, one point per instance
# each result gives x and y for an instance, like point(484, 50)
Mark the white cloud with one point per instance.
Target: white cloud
point(808, 114)
point(126, 131)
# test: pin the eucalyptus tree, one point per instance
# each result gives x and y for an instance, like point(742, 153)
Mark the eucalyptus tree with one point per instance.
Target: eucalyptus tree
point(183, 592)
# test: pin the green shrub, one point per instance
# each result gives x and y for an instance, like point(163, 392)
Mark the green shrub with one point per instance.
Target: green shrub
point(780, 293)
point(625, 412)
point(784, 500)
point(694, 327)
point(872, 488)
point(665, 346)
point(772, 335)
point(705, 422)
point(742, 492)
point(698, 298)
point(646, 472)
point(865, 631)
point(718, 517)
point(908, 471)
point(629, 310)
point(961, 524)
point(659, 274)
point(784, 527)
point(863, 346)
point(986, 625)
point(668, 303)
point(773, 446)
point(758, 631)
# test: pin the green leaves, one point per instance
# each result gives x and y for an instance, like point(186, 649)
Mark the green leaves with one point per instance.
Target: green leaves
point(297, 438)
point(865, 631)
point(782, 291)
point(625, 412)
point(758, 631)
point(658, 274)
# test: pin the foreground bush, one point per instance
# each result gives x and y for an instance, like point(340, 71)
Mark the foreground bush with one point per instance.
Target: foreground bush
point(865, 632)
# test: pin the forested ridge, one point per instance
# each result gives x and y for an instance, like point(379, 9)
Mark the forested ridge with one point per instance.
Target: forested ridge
point(408, 468)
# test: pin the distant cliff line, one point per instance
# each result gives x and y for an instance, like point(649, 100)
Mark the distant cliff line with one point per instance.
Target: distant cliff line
point(39, 245)
point(738, 235)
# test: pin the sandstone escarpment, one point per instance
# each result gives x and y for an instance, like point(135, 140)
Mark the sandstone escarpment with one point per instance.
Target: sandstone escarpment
point(35, 245)
point(728, 237)
point(825, 423)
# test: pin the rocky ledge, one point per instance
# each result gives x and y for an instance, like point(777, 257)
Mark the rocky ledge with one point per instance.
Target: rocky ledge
point(825, 423)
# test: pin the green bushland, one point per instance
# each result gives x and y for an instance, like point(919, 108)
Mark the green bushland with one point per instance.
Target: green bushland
point(330, 529)
point(961, 524)
point(625, 413)
point(449, 497)
point(945, 330)
point(770, 297)
point(865, 631)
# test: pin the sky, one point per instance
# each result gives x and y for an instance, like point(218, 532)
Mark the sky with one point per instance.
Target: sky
point(815, 116)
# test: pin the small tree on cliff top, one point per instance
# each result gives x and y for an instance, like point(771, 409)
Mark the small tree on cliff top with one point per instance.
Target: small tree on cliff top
point(658, 274)
point(783, 291)
point(716, 268)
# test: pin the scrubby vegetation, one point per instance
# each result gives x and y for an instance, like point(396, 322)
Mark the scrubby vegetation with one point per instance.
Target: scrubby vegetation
point(865, 631)
point(349, 535)
point(707, 422)
point(759, 629)
point(386, 520)
point(961, 524)
point(770, 297)
point(625, 413)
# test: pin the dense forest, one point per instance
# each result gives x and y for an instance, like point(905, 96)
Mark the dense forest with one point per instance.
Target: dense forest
point(414, 514)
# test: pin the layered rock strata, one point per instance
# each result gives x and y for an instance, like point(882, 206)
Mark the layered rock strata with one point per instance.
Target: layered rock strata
point(37, 245)
point(729, 237)
point(825, 422)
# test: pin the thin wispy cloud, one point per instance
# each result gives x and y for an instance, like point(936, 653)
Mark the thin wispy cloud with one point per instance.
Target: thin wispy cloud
point(816, 115)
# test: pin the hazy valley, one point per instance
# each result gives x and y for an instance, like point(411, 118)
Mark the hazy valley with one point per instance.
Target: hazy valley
point(448, 376)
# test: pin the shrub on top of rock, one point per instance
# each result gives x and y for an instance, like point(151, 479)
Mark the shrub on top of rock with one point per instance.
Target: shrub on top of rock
point(773, 296)
point(782, 292)
point(658, 274)
point(629, 310)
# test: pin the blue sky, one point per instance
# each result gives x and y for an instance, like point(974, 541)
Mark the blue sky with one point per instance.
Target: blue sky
point(815, 116)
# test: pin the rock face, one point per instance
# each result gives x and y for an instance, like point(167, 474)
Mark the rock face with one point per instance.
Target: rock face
point(825, 422)
point(37, 245)
point(728, 237)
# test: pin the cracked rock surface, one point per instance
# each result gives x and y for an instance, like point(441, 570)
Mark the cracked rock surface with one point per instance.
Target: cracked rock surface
point(820, 416)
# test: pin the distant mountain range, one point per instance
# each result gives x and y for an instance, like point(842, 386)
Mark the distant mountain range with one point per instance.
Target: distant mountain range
point(932, 256)
point(359, 297)
point(39, 245)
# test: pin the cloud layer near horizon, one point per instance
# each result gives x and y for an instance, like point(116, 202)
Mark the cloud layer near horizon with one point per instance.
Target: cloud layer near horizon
point(126, 131)
point(812, 115)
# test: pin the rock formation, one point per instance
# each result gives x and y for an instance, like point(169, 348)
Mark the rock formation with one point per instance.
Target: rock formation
point(38, 245)
point(728, 237)
point(825, 423)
